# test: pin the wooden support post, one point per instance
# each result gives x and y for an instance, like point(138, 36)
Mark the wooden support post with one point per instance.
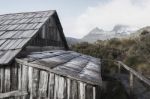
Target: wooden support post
point(119, 68)
point(131, 78)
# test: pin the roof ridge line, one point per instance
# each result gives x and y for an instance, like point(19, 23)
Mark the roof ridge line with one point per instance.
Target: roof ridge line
point(27, 12)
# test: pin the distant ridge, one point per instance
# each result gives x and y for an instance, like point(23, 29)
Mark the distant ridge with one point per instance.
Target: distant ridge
point(119, 31)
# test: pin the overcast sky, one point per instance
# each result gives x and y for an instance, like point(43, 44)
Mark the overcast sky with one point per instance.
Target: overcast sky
point(78, 17)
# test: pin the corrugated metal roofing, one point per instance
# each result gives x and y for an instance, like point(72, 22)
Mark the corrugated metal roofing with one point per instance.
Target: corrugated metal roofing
point(16, 30)
point(72, 64)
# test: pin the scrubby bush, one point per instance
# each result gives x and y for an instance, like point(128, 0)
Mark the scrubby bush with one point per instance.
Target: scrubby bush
point(134, 52)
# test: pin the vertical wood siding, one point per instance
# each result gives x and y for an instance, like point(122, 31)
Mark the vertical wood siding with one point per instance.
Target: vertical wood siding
point(41, 84)
point(49, 35)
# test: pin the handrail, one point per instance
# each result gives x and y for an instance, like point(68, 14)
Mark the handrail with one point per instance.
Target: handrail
point(135, 73)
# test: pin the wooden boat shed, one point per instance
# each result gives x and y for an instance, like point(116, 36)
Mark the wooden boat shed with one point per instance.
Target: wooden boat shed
point(33, 63)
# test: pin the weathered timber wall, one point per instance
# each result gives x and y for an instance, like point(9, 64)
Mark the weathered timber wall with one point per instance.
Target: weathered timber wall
point(43, 84)
point(49, 35)
point(8, 78)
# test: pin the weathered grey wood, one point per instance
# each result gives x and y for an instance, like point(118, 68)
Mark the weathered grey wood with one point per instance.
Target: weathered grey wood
point(56, 87)
point(56, 72)
point(24, 79)
point(51, 86)
point(89, 92)
point(43, 84)
point(68, 89)
point(20, 77)
point(98, 92)
point(8, 56)
point(138, 75)
point(94, 92)
point(30, 85)
point(5, 44)
point(8, 34)
point(2, 75)
point(131, 83)
point(82, 90)
point(35, 82)
point(60, 89)
point(74, 89)
point(13, 93)
point(14, 76)
point(7, 79)
point(17, 30)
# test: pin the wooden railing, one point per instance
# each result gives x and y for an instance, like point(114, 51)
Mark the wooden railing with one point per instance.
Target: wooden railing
point(135, 73)
point(132, 74)
point(13, 94)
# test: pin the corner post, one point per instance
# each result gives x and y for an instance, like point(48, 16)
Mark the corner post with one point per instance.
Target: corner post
point(119, 68)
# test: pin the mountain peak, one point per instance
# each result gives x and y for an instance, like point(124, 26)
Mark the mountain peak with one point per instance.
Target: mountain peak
point(96, 30)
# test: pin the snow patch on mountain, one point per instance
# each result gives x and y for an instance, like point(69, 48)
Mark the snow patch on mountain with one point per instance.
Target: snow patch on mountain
point(119, 31)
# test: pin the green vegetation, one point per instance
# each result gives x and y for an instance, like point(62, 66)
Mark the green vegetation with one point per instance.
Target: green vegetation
point(133, 52)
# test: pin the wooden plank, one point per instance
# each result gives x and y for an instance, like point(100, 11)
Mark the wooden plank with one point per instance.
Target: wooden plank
point(7, 34)
point(8, 46)
point(19, 76)
point(35, 82)
point(7, 79)
point(30, 84)
point(74, 89)
point(68, 89)
point(51, 86)
point(31, 26)
point(24, 80)
point(2, 75)
point(14, 77)
point(61, 89)
point(89, 92)
point(8, 56)
point(82, 90)
point(56, 72)
point(43, 84)
point(17, 34)
point(18, 41)
point(56, 87)
point(94, 92)
point(21, 27)
point(13, 27)
point(22, 43)
point(27, 34)
point(2, 41)
point(138, 75)
point(98, 92)
point(13, 93)
point(5, 44)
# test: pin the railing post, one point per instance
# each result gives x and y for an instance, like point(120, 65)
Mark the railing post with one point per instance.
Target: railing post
point(131, 81)
point(119, 68)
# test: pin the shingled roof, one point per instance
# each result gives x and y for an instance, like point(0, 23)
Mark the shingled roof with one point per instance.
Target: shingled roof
point(67, 63)
point(17, 29)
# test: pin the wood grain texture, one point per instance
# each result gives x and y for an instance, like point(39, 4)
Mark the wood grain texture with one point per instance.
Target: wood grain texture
point(7, 79)
point(51, 85)
point(43, 84)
